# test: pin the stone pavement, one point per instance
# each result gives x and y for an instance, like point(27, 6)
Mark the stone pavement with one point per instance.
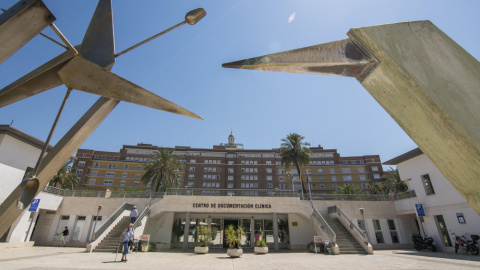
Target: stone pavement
point(77, 258)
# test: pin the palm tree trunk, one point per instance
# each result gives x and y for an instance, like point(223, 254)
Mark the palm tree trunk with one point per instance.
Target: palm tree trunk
point(158, 182)
point(300, 177)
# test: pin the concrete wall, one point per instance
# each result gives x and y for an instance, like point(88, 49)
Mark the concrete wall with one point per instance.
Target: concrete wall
point(446, 201)
point(15, 157)
point(302, 234)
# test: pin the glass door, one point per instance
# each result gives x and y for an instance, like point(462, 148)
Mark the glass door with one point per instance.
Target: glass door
point(217, 232)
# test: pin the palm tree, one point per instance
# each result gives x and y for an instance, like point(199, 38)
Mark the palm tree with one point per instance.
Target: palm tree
point(294, 151)
point(162, 169)
point(65, 178)
point(394, 182)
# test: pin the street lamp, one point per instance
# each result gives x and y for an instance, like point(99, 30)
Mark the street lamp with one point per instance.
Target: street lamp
point(362, 211)
point(192, 17)
point(96, 219)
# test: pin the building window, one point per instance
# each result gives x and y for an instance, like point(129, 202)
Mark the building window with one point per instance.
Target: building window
point(269, 185)
point(361, 170)
point(334, 178)
point(269, 170)
point(230, 178)
point(345, 170)
point(91, 181)
point(104, 157)
point(378, 231)
point(125, 167)
point(269, 178)
point(230, 170)
point(112, 166)
point(136, 183)
point(230, 185)
point(281, 179)
point(374, 168)
point(122, 183)
point(192, 161)
point(230, 163)
point(268, 162)
point(332, 170)
point(427, 184)
point(376, 176)
point(124, 175)
point(191, 176)
point(190, 184)
point(110, 174)
point(320, 170)
point(107, 182)
point(137, 175)
point(347, 178)
point(362, 177)
point(96, 165)
point(364, 186)
point(281, 171)
point(81, 163)
point(79, 171)
point(191, 169)
point(393, 231)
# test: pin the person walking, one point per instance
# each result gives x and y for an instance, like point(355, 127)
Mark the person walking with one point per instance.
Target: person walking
point(64, 236)
point(126, 237)
point(133, 215)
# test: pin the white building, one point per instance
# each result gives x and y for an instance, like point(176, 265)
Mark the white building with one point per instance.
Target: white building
point(446, 211)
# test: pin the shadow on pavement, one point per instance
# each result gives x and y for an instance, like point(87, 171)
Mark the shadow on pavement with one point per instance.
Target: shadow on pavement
point(457, 256)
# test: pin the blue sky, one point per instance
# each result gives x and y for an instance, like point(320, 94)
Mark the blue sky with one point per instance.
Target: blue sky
point(184, 66)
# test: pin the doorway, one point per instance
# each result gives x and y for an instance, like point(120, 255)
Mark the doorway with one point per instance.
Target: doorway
point(443, 231)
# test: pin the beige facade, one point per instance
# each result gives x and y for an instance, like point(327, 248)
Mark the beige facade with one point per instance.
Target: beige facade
point(228, 166)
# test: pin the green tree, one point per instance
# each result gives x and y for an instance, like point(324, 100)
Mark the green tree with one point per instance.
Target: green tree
point(65, 178)
point(377, 188)
point(294, 151)
point(162, 170)
point(349, 192)
point(394, 182)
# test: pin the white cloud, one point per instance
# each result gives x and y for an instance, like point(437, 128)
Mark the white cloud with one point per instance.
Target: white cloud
point(291, 18)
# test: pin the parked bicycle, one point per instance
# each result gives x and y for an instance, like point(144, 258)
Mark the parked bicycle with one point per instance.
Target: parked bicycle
point(468, 245)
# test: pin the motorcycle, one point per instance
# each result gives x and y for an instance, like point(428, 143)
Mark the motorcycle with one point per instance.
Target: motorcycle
point(420, 243)
point(468, 245)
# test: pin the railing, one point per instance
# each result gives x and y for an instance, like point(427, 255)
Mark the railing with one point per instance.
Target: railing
point(325, 227)
point(352, 224)
point(405, 195)
point(145, 213)
point(348, 197)
point(112, 218)
point(232, 192)
point(74, 193)
point(136, 194)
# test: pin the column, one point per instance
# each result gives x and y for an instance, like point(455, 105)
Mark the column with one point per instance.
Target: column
point(185, 231)
point(275, 232)
point(252, 232)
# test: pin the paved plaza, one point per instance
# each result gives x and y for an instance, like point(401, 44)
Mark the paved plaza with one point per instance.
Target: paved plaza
point(77, 258)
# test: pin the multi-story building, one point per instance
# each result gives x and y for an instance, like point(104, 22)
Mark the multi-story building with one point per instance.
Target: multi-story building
point(228, 166)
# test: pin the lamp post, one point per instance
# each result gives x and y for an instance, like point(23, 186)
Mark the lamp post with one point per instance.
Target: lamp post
point(308, 183)
point(96, 219)
point(362, 211)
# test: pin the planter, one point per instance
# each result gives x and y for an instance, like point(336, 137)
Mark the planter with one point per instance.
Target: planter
point(261, 250)
point(201, 250)
point(144, 248)
point(235, 252)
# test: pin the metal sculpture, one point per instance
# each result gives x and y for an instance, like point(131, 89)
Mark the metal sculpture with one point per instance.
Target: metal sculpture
point(85, 67)
point(428, 83)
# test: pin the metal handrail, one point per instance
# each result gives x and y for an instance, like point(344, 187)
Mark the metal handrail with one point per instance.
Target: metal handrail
point(112, 218)
point(353, 225)
point(325, 227)
point(145, 213)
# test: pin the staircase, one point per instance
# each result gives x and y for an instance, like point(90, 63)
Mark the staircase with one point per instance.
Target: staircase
point(345, 241)
point(111, 242)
